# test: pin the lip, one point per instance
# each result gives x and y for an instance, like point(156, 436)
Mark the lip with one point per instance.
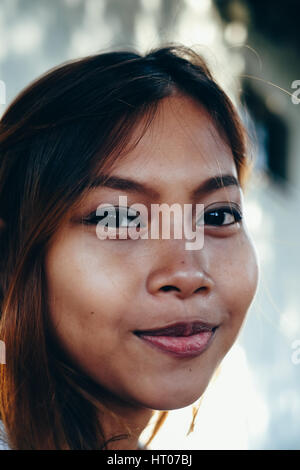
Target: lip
point(179, 329)
point(193, 338)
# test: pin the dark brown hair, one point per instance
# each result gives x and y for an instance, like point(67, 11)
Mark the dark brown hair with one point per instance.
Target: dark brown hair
point(72, 122)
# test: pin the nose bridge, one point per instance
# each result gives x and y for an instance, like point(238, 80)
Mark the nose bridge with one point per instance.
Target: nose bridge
point(180, 272)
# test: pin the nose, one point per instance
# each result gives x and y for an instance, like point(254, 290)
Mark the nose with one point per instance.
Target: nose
point(181, 278)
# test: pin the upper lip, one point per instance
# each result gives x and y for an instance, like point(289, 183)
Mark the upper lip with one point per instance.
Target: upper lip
point(179, 329)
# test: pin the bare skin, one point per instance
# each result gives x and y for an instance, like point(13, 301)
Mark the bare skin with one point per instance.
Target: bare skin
point(100, 291)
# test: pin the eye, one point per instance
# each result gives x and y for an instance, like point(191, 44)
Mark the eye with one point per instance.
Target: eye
point(115, 217)
point(221, 216)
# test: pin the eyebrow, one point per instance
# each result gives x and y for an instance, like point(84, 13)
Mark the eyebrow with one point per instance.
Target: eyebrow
point(127, 184)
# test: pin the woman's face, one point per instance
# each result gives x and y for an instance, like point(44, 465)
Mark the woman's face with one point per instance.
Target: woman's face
point(101, 291)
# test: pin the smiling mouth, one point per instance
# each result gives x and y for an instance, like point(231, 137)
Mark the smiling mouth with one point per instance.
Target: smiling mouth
point(181, 339)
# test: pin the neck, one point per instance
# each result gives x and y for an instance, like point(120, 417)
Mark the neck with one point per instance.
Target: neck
point(126, 419)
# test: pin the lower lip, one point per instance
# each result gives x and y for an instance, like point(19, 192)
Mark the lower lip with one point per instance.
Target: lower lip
point(181, 346)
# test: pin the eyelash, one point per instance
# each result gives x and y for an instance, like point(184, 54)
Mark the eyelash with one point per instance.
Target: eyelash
point(236, 213)
point(228, 210)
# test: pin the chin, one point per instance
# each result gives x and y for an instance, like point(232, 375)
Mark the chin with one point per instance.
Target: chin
point(173, 401)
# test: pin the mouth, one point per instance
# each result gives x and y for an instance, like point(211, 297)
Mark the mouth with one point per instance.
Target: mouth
point(180, 339)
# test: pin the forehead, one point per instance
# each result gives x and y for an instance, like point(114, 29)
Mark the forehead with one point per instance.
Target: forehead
point(181, 142)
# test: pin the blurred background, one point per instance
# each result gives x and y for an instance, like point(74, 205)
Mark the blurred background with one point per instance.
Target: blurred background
point(253, 49)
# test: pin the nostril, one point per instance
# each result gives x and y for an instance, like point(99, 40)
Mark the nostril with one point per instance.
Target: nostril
point(201, 288)
point(167, 288)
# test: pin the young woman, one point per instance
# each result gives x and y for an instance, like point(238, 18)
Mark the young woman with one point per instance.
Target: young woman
point(100, 332)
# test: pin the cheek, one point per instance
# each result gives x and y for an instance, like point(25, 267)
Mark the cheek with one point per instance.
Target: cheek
point(236, 275)
point(89, 291)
